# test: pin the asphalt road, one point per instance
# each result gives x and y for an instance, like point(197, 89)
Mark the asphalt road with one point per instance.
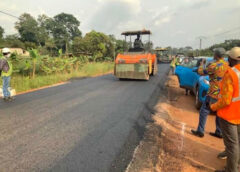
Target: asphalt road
point(79, 126)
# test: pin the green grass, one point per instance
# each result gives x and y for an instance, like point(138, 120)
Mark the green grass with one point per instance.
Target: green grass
point(22, 83)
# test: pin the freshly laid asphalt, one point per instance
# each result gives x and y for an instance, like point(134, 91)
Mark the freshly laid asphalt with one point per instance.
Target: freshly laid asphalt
point(80, 126)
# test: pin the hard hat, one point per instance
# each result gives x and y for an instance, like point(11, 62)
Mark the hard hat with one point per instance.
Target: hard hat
point(234, 53)
point(5, 50)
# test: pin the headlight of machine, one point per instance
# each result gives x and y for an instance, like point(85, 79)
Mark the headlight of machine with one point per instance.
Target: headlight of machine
point(121, 61)
point(144, 61)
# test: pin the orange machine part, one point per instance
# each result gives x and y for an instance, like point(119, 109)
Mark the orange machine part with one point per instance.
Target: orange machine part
point(134, 58)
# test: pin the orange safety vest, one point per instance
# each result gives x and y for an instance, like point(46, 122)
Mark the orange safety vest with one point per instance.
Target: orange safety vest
point(231, 112)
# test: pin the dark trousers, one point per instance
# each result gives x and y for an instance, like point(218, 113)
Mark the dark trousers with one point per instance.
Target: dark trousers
point(204, 112)
point(231, 138)
point(173, 70)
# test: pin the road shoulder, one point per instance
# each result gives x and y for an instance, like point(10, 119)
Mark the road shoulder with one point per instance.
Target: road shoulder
point(168, 145)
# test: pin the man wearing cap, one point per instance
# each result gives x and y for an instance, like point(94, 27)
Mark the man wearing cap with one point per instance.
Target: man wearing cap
point(228, 109)
point(6, 68)
point(216, 71)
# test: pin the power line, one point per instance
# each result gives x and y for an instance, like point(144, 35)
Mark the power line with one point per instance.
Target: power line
point(8, 14)
point(228, 31)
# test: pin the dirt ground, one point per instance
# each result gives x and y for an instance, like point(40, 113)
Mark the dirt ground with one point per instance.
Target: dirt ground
point(169, 146)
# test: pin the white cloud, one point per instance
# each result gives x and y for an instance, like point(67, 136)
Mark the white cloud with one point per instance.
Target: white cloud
point(114, 14)
point(162, 21)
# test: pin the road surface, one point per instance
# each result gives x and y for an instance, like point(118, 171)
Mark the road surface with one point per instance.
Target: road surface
point(79, 126)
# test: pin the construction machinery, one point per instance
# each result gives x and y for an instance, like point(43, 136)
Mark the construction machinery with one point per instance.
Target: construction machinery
point(138, 62)
point(163, 55)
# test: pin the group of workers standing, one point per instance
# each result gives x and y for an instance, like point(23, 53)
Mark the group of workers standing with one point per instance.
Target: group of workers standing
point(223, 98)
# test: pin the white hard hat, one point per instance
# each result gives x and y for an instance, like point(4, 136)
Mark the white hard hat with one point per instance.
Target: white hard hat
point(234, 53)
point(5, 50)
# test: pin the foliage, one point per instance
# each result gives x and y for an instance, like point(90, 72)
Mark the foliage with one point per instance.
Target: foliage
point(1, 32)
point(27, 27)
point(48, 35)
point(148, 46)
point(34, 55)
point(43, 33)
point(64, 28)
point(12, 41)
point(121, 46)
point(24, 83)
point(60, 53)
point(227, 45)
point(96, 44)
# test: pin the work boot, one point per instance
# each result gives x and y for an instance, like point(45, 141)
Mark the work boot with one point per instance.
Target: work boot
point(197, 133)
point(222, 155)
point(11, 99)
point(216, 135)
point(5, 99)
point(8, 99)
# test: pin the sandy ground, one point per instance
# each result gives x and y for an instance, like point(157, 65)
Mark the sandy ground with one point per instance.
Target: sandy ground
point(169, 146)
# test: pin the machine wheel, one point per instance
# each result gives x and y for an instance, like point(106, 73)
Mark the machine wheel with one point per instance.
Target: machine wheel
point(147, 78)
point(155, 69)
point(198, 104)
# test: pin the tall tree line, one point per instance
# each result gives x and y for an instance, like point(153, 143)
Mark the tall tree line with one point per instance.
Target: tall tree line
point(61, 32)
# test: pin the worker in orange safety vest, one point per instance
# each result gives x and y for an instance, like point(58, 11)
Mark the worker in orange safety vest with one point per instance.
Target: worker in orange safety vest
point(228, 109)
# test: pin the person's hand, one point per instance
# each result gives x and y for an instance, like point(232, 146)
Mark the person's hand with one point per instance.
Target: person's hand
point(210, 107)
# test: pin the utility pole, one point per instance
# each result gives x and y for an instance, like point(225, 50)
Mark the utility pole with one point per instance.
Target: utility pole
point(200, 43)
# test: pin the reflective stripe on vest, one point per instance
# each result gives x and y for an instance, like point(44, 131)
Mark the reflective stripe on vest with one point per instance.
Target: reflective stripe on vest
point(238, 76)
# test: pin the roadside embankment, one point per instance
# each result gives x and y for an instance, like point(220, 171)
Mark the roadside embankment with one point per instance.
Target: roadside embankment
point(168, 145)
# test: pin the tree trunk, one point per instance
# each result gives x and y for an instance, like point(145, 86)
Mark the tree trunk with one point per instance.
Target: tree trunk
point(34, 68)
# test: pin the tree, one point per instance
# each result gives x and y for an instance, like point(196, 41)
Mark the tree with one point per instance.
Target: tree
point(79, 46)
point(148, 45)
point(96, 43)
point(51, 47)
point(27, 27)
point(34, 55)
point(119, 45)
point(64, 28)
point(43, 33)
point(1, 32)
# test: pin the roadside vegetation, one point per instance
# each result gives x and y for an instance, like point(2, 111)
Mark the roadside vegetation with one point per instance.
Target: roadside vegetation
point(227, 44)
point(57, 51)
point(38, 71)
point(23, 83)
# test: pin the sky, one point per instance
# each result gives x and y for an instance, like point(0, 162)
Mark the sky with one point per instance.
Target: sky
point(176, 23)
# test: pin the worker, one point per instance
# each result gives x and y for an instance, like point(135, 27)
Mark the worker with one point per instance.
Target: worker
point(228, 110)
point(6, 72)
point(178, 60)
point(216, 71)
point(173, 65)
point(138, 43)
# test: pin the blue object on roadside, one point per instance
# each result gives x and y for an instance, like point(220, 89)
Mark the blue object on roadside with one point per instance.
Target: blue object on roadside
point(191, 80)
